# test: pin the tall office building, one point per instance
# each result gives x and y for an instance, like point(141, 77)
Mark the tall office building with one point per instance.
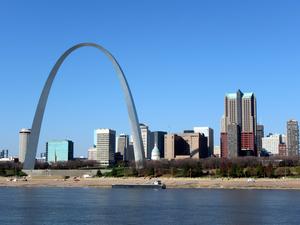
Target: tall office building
point(223, 138)
point(292, 138)
point(232, 115)
point(123, 142)
point(233, 140)
point(259, 135)
point(249, 124)
point(233, 108)
point(240, 109)
point(59, 150)
point(147, 140)
point(158, 139)
point(106, 145)
point(185, 145)
point(23, 143)
point(209, 133)
point(130, 152)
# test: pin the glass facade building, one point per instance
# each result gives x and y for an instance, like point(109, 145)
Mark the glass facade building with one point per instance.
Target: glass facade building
point(61, 150)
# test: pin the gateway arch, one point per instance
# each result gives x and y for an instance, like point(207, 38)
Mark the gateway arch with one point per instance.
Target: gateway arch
point(39, 114)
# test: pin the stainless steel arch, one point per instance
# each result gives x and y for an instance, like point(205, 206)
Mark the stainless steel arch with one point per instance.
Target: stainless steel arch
point(39, 114)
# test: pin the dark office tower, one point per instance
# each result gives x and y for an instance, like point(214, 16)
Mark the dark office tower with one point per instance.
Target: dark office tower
point(123, 142)
point(159, 140)
point(259, 135)
point(130, 152)
point(292, 138)
point(249, 124)
point(232, 115)
point(233, 135)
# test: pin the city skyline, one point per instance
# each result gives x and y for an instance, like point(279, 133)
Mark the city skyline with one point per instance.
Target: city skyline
point(194, 130)
point(158, 77)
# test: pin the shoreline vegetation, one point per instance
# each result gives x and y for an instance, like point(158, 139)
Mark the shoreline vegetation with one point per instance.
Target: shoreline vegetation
point(237, 173)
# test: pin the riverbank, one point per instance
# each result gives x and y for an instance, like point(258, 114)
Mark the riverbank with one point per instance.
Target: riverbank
point(213, 183)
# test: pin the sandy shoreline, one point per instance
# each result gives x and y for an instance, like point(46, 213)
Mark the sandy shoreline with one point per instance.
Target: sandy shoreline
point(213, 183)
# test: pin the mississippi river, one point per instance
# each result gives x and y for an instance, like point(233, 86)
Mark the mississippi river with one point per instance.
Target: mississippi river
point(93, 206)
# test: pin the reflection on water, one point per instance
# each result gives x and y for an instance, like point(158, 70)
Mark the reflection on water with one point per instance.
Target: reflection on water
point(82, 206)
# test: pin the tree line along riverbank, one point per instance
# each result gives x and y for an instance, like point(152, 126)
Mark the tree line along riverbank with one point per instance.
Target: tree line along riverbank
point(271, 167)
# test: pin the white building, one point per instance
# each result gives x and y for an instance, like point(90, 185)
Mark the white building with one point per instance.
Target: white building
point(23, 143)
point(209, 133)
point(147, 140)
point(106, 145)
point(271, 143)
point(10, 159)
point(92, 153)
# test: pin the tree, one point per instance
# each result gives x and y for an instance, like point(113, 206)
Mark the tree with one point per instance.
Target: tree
point(269, 171)
point(99, 174)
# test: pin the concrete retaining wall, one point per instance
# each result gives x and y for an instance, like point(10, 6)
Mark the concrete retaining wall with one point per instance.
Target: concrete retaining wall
point(62, 173)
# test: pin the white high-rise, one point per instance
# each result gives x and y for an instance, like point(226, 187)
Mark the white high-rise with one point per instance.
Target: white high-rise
point(23, 143)
point(271, 143)
point(147, 140)
point(106, 145)
point(209, 133)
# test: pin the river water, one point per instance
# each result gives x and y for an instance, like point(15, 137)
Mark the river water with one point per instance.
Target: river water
point(93, 206)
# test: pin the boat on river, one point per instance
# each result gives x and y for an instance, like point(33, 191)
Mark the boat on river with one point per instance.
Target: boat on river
point(155, 185)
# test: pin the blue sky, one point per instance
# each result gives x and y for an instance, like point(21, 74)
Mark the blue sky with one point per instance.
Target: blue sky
point(180, 58)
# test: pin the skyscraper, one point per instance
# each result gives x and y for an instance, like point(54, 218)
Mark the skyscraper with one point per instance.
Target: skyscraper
point(106, 145)
point(234, 142)
point(233, 108)
point(240, 109)
point(249, 123)
point(147, 140)
point(123, 142)
point(223, 138)
point(259, 135)
point(130, 152)
point(209, 133)
point(23, 143)
point(292, 138)
point(59, 150)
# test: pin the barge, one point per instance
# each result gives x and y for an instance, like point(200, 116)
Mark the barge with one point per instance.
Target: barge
point(155, 185)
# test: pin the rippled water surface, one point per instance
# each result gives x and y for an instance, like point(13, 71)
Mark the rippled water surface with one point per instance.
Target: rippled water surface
point(45, 206)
